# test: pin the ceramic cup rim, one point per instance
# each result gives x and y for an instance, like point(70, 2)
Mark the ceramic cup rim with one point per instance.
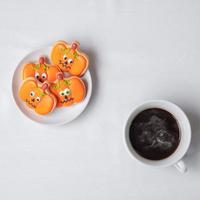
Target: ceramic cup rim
point(184, 126)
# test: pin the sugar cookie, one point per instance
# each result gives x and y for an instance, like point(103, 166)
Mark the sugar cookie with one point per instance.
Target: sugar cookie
point(41, 71)
point(37, 96)
point(68, 90)
point(69, 59)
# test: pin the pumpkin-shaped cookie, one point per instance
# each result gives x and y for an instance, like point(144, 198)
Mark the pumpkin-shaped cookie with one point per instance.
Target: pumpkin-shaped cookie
point(68, 90)
point(37, 96)
point(69, 59)
point(41, 71)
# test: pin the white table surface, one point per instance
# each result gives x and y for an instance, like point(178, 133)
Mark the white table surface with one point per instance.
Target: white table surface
point(138, 50)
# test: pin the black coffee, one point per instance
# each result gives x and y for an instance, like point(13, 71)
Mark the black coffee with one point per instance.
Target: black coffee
point(154, 134)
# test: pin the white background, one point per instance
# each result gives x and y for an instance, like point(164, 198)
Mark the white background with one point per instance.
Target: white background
point(138, 50)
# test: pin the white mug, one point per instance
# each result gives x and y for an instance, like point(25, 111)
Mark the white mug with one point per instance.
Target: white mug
point(185, 135)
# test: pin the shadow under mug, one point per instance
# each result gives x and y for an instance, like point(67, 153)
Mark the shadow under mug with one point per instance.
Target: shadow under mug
point(185, 135)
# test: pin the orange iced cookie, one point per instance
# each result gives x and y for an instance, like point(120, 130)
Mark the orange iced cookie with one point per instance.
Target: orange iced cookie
point(37, 96)
point(68, 90)
point(69, 59)
point(41, 71)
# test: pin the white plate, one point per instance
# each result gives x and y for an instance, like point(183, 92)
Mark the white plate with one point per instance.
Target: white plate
point(58, 116)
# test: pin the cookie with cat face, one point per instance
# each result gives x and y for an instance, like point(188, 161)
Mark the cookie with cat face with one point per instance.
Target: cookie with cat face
point(68, 91)
point(40, 71)
point(69, 59)
point(37, 96)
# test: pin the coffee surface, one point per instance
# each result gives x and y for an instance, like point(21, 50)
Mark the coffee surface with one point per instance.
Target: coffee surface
point(154, 134)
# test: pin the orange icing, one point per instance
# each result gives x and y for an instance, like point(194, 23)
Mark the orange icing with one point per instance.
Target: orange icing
point(41, 71)
point(68, 91)
point(37, 96)
point(69, 59)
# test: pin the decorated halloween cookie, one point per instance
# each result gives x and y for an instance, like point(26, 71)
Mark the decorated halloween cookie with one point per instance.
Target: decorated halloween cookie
point(37, 96)
point(68, 90)
point(69, 59)
point(41, 71)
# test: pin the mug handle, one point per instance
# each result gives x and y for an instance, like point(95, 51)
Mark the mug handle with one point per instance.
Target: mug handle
point(180, 166)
